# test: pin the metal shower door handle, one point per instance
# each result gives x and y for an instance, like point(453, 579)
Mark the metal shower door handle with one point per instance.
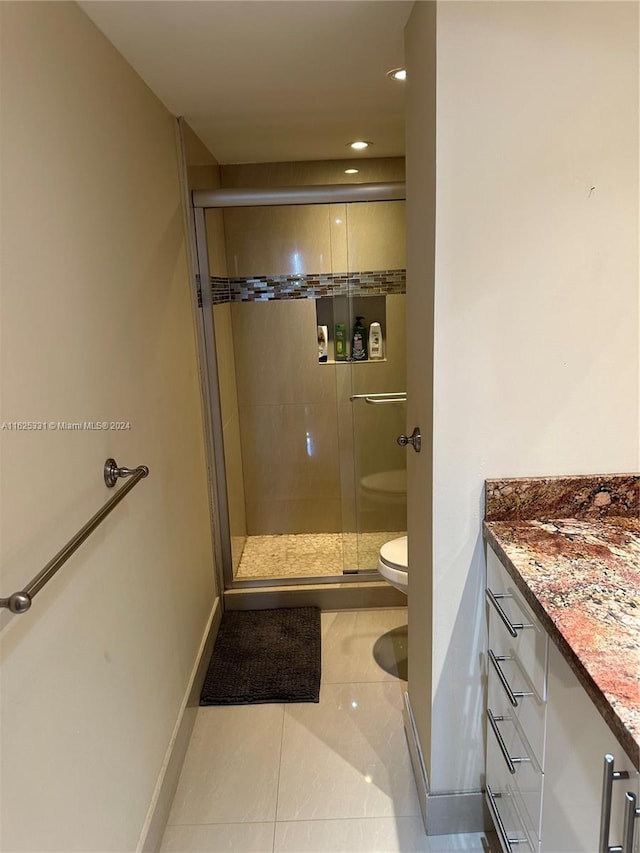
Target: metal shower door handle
point(415, 440)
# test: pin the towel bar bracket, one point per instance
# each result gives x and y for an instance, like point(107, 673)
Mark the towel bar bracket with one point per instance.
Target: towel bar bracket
point(112, 472)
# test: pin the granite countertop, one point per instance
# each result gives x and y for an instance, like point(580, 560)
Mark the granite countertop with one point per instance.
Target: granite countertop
point(572, 546)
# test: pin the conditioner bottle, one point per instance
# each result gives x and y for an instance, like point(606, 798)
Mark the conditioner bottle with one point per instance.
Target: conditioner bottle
point(375, 342)
point(323, 343)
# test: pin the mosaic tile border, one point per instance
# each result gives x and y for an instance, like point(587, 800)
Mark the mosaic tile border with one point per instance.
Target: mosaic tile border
point(312, 286)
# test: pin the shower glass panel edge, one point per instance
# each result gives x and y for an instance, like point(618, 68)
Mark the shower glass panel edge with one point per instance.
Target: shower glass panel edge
point(376, 265)
point(244, 198)
point(215, 413)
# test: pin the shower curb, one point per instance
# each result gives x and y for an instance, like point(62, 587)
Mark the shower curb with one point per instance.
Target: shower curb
point(352, 596)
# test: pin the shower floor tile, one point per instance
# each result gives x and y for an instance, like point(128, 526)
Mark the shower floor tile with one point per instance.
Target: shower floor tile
point(310, 554)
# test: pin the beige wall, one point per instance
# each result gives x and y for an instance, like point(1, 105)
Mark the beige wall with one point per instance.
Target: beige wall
point(97, 324)
point(536, 300)
point(371, 170)
point(203, 173)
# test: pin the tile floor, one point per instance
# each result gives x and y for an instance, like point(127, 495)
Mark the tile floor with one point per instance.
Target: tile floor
point(332, 777)
point(310, 554)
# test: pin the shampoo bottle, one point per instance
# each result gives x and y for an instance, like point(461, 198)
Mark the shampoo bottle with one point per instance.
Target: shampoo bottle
point(359, 341)
point(341, 342)
point(375, 342)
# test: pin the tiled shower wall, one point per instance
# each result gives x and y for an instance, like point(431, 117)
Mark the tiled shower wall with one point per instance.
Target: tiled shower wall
point(307, 239)
point(288, 419)
point(296, 420)
point(313, 286)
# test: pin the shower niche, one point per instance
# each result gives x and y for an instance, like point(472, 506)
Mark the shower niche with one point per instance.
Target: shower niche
point(334, 310)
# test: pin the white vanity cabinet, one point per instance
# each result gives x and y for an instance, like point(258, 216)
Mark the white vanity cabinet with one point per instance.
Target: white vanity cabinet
point(546, 741)
point(577, 741)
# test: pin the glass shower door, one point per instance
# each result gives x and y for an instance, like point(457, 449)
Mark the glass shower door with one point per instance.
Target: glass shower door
point(372, 392)
point(282, 454)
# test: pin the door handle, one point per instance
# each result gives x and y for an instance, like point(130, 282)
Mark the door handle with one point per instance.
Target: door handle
point(510, 760)
point(610, 776)
point(512, 695)
point(415, 440)
point(631, 814)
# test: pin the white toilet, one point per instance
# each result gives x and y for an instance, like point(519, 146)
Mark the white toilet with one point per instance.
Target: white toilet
point(393, 563)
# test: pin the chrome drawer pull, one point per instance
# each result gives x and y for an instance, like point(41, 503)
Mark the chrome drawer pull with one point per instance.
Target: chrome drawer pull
point(510, 759)
point(512, 695)
point(505, 841)
point(609, 777)
point(631, 814)
point(494, 598)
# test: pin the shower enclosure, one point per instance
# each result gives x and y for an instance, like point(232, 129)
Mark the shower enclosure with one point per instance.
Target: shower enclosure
point(311, 481)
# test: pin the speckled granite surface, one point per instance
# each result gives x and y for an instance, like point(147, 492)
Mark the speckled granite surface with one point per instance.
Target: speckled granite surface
point(572, 545)
point(587, 496)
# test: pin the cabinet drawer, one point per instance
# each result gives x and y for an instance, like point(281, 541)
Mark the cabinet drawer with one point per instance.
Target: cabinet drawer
point(507, 810)
point(578, 738)
point(509, 756)
point(508, 683)
point(510, 830)
point(507, 605)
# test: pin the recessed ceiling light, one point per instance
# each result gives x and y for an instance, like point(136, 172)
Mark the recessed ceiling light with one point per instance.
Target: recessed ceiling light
point(360, 145)
point(351, 171)
point(397, 74)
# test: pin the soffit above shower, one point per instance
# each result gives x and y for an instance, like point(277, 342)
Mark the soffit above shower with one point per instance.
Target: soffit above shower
point(269, 80)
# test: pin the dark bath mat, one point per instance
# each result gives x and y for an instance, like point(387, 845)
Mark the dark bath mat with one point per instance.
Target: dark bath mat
point(265, 656)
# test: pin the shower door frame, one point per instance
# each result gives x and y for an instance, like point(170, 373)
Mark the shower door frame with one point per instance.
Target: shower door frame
point(203, 200)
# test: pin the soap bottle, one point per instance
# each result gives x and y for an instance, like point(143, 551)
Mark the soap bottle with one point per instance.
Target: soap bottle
point(375, 342)
point(340, 342)
point(323, 343)
point(359, 341)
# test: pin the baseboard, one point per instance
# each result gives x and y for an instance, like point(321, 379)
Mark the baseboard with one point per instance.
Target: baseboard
point(442, 813)
point(417, 758)
point(351, 596)
point(457, 812)
point(156, 820)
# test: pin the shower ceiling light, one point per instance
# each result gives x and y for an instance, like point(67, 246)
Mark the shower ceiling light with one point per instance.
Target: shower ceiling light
point(397, 74)
point(359, 145)
point(351, 171)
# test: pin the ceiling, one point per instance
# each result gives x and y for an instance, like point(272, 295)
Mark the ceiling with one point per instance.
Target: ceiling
point(269, 80)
